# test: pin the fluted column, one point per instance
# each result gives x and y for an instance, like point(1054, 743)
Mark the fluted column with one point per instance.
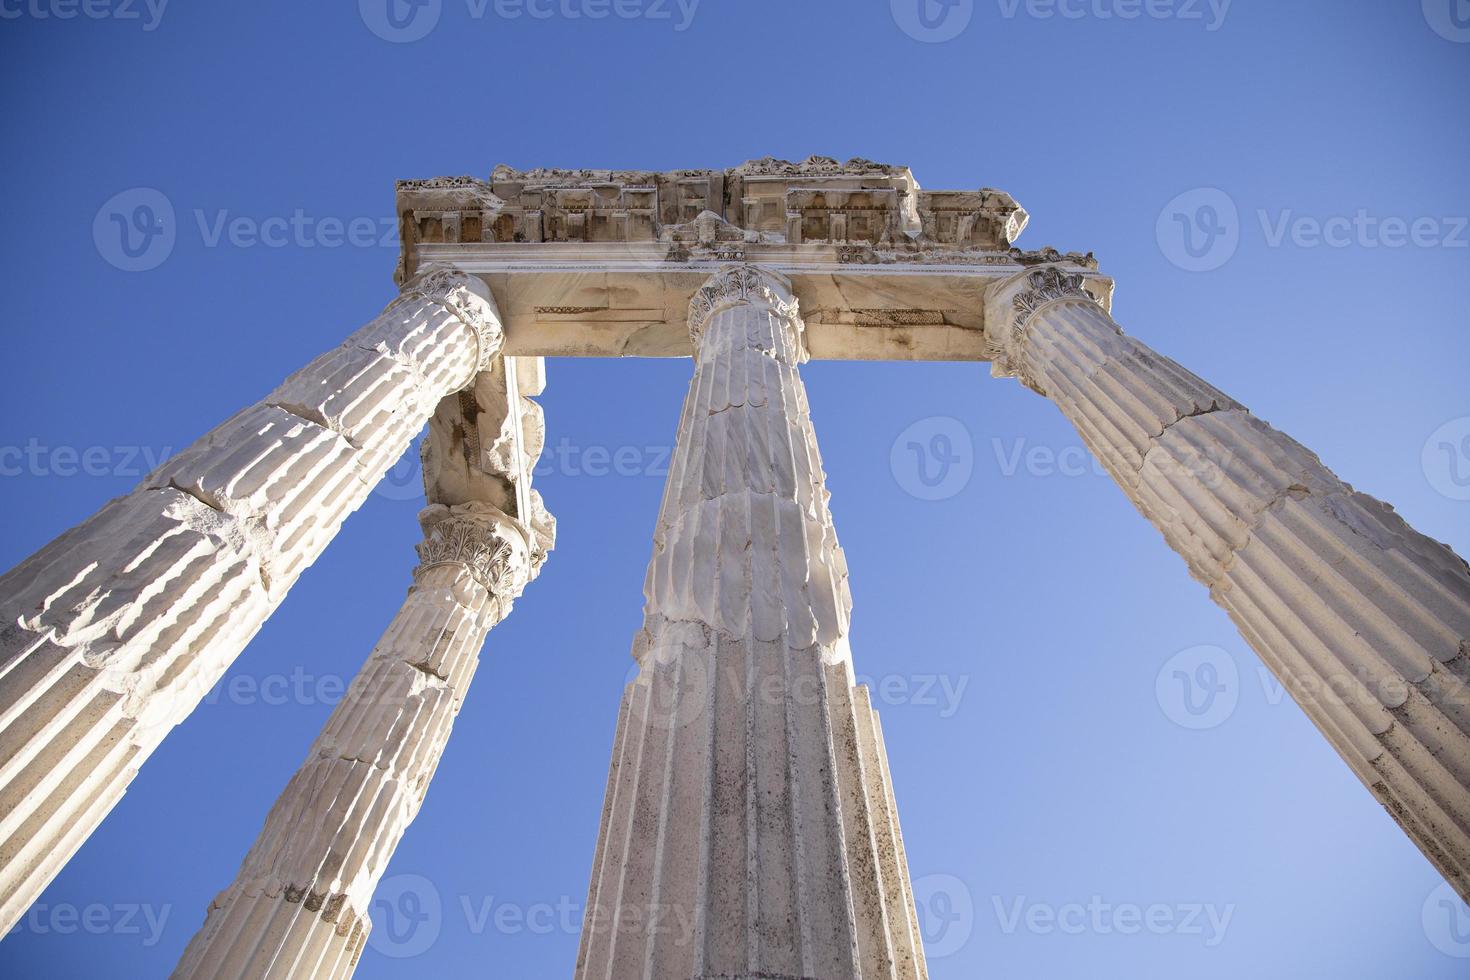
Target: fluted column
point(1363, 619)
point(111, 634)
point(299, 905)
point(748, 828)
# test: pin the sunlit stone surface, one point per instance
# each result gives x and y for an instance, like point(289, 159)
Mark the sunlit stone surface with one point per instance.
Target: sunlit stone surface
point(750, 829)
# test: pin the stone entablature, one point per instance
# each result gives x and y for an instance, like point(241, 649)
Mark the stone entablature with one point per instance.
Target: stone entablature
point(774, 202)
point(603, 263)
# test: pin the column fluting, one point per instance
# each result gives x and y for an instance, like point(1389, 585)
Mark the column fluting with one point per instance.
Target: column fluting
point(748, 827)
point(1363, 619)
point(299, 905)
point(113, 633)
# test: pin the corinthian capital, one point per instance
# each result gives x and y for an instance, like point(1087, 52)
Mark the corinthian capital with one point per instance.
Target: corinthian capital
point(467, 298)
point(736, 284)
point(1009, 308)
point(493, 547)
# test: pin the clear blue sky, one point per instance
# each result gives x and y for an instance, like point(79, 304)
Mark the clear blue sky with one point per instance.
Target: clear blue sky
point(1019, 625)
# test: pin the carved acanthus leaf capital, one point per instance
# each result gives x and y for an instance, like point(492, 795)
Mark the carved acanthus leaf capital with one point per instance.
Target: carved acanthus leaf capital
point(468, 299)
point(494, 548)
point(736, 284)
point(1019, 300)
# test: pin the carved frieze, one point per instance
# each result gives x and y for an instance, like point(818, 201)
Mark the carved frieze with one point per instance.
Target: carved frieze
point(768, 201)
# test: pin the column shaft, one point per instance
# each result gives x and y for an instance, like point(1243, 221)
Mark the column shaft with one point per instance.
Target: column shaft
point(748, 829)
point(1362, 618)
point(113, 632)
point(299, 905)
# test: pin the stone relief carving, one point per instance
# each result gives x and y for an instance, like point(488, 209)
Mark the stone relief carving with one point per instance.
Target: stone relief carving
point(857, 204)
point(732, 285)
point(1042, 287)
point(478, 537)
point(460, 294)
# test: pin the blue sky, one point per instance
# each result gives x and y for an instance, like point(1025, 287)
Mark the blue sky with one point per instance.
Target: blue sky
point(1015, 630)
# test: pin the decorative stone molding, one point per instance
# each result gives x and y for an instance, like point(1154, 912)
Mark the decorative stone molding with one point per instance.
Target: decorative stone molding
point(495, 550)
point(1010, 307)
point(740, 284)
point(1042, 287)
point(768, 202)
point(468, 299)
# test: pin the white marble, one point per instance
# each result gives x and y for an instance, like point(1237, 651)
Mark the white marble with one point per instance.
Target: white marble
point(299, 905)
point(114, 632)
point(749, 828)
point(1364, 620)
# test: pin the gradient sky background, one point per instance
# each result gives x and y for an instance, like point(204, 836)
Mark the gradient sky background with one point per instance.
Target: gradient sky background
point(1051, 772)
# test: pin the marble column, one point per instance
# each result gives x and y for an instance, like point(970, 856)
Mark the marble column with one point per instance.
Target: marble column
point(299, 905)
point(1364, 620)
point(111, 634)
point(749, 828)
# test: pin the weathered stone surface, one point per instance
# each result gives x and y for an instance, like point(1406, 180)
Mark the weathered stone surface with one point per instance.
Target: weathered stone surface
point(114, 632)
point(299, 904)
point(764, 201)
point(1363, 619)
point(749, 828)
